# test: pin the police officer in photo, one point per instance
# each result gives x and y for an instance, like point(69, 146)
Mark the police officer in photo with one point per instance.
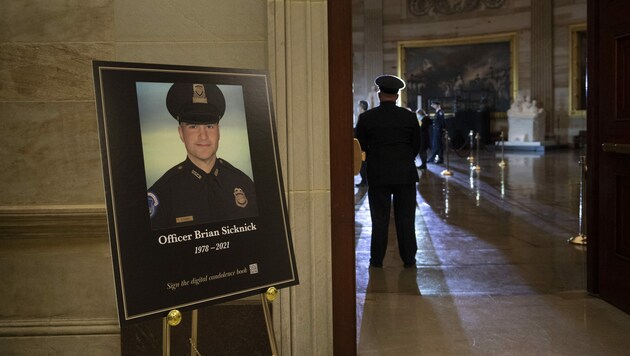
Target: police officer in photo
point(203, 188)
point(390, 137)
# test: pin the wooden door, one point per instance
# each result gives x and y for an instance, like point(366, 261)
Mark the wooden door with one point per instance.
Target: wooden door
point(608, 157)
point(341, 186)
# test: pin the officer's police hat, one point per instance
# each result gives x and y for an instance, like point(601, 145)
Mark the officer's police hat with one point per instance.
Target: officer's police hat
point(389, 84)
point(195, 103)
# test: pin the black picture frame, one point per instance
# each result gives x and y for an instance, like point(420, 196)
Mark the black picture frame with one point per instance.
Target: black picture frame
point(578, 70)
point(186, 267)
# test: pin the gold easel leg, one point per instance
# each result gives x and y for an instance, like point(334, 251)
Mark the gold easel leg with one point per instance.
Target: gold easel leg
point(193, 333)
point(269, 322)
point(166, 338)
point(173, 318)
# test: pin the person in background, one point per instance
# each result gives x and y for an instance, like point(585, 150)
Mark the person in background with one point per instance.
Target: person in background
point(390, 137)
point(425, 126)
point(363, 107)
point(437, 154)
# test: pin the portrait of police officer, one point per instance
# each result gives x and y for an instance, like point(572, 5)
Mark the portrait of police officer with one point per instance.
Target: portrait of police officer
point(203, 188)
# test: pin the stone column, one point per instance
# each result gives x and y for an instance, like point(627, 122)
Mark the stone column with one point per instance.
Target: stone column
point(542, 59)
point(373, 41)
point(298, 58)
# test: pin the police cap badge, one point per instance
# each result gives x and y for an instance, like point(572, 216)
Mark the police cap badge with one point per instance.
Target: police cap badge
point(197, 103)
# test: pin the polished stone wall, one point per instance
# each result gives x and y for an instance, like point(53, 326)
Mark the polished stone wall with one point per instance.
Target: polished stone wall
point(58, 295)
point(515, 16)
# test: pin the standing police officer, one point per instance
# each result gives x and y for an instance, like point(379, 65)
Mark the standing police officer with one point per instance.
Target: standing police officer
point(390, 137)
point(203, 188)
point(437, 155)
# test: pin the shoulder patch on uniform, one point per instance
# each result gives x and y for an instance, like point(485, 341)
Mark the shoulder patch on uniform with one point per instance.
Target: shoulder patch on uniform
point(153, 203)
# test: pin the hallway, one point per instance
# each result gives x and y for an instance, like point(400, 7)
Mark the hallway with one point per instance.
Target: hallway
point(495, 274)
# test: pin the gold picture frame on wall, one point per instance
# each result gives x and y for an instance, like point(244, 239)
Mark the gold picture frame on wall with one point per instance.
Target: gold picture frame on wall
point(463, 73)
point(577, 70)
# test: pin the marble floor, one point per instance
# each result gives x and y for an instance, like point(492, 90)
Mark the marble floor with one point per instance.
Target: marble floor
point(495, 274)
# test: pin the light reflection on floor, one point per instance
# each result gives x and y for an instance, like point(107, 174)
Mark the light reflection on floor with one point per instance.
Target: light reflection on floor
point(494, 274)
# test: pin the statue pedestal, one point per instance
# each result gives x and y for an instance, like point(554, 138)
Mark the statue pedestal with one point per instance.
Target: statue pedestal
point(538, 146)
point(526, 127)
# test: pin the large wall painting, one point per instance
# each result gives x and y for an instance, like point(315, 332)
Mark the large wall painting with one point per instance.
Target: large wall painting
point(462, 73)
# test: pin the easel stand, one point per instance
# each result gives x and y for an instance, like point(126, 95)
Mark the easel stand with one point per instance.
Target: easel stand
point(174, 317)
point(265, 298)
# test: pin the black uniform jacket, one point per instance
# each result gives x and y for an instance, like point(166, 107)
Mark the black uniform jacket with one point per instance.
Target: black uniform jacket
point(186, 195)
point(425, 133)
point(390, 137)
point(439, 123)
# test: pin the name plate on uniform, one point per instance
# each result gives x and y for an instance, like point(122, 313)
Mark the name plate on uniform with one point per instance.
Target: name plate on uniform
point(194, 191)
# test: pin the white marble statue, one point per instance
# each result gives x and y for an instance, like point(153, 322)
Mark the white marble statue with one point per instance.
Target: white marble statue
point(526, 121)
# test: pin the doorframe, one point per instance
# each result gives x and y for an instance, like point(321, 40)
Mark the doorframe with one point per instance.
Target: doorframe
point(340, 100)
point(592, 148)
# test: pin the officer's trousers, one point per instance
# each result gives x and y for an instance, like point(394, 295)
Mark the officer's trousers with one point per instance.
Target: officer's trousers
point(404, 198)
point(436, 145)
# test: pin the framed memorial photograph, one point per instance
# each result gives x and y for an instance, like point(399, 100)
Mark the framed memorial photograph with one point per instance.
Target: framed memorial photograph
point(193, 184)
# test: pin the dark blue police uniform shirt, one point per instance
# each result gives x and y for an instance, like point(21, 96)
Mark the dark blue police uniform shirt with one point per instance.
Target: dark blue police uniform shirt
point(186, 195)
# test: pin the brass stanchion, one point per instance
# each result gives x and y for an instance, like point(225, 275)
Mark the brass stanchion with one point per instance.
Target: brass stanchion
point(470, 158)
point(447, 193)
point(173, 318)
point(447, 141)
point(502, 163)
point(265, 298)
point(580, 239)
point(502, 182)
point(478, 167)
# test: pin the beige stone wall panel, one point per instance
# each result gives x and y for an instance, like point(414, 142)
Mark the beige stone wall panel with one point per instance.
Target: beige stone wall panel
point(184, 21)
point(249, 55)
point(69, 278)
point(50, 154)
point(49, 72)
point(93, 345)
point(44, 21)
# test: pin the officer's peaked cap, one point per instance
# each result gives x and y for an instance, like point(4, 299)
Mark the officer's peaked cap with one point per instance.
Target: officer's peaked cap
point(389, 84)
point(198, 103)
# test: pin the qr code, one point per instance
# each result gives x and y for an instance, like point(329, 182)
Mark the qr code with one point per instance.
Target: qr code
point(253, 268)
